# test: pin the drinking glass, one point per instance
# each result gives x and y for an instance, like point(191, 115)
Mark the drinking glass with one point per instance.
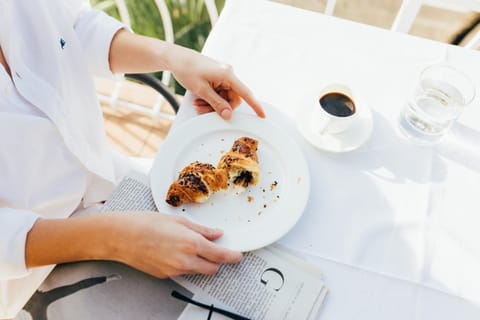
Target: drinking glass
point(440, 95)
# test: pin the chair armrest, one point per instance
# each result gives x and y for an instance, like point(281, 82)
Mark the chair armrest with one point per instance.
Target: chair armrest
point(157, 85)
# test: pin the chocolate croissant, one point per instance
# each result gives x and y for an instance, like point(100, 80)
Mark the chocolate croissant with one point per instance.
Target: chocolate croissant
point(196, 183)
point(241, 163)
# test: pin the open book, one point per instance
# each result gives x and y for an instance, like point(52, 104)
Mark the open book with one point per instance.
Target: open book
point(269, 283)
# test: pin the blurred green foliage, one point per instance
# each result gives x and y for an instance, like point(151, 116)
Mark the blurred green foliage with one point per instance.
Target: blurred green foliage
point(191, 23)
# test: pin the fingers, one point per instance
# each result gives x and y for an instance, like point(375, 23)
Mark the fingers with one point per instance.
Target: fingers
point(201, 106)
point(208, 249)
point(200, 103)
point(247, 95)
point(220, 105)
point(215, 253)
point(233, 98)
point(200, 265)
point(209, 233)
point(226, 100)
point(204, 109)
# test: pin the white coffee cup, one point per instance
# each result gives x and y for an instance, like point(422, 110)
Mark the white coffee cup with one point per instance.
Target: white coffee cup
point(335, 111)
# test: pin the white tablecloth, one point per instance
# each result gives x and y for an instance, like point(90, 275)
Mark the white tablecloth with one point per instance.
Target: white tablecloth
point(394, 226)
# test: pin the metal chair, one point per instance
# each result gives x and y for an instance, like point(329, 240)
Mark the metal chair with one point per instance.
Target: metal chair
point(409, 10)
point(330, 6)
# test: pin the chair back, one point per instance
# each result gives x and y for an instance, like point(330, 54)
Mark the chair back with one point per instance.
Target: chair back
point(409, 10)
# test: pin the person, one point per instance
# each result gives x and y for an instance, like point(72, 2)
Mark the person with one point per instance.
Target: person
point(54, 158)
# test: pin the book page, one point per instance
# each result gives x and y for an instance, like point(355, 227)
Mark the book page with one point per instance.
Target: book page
point(132, 194)
point(266, 284)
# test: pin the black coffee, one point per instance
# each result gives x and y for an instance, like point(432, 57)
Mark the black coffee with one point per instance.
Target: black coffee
point(337, 104)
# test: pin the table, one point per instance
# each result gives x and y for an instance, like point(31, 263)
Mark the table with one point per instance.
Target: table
point(393, 226)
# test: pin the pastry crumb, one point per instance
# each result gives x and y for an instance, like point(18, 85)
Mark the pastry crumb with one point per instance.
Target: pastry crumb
point(273, 185)
point(259, 213)
point(265, 206)
point(222, 139)
point(222, 151)
point(250, 198)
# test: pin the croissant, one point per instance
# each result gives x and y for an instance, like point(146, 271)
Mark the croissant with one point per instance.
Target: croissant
point(196, 183)
point(241, 163)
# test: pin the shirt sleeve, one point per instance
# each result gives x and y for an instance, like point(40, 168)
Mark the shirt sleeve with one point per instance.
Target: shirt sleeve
point(14, 227)
point(95, 30)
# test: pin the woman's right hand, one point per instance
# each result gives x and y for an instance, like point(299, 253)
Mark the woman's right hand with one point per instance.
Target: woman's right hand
point(165, 245)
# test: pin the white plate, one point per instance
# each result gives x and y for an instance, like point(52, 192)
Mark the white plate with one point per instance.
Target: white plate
point(271, 211)
point(345, 141)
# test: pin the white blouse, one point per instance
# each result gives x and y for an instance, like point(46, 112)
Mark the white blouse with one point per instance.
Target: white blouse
point(54, 156)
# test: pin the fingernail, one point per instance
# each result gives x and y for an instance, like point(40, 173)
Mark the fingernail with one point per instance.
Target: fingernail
point(226, 114)
point(239, 257)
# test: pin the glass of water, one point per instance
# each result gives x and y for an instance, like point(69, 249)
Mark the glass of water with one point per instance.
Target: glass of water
point(438, 99)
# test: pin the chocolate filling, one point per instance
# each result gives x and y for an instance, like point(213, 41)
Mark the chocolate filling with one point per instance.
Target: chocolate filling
point(243, 179)
point(174, 201)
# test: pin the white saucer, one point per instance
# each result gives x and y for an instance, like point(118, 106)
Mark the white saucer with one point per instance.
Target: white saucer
point(345, 141)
